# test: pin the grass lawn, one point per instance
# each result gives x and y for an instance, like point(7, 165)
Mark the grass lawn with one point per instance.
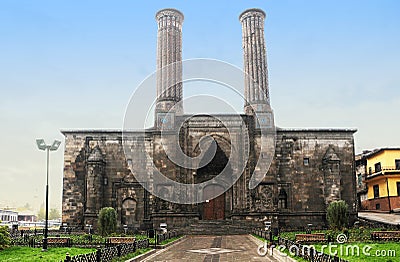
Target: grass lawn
point(16, 253)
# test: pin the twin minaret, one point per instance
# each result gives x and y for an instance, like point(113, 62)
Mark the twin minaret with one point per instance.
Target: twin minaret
point(169, 61)
point(255, 61)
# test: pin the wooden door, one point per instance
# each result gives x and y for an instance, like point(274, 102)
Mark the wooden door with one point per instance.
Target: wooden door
point(214, 209)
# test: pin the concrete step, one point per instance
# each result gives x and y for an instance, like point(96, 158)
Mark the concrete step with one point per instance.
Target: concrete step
point(216, 227)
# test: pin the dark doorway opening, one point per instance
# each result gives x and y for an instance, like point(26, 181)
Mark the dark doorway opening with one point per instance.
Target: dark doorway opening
point(213, 208)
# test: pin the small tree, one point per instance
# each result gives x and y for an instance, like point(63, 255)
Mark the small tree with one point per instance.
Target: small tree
point(337, 214)
point(54, 213)
point(5, 239)
point(41, 215)
point(107, 221)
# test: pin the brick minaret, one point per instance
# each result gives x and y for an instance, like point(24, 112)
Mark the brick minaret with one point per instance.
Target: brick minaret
point(169, 60)
point(255, 61)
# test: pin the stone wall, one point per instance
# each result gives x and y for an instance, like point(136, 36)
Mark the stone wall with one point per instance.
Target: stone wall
point(308, 164)
point(96, 175)
point(303, 168)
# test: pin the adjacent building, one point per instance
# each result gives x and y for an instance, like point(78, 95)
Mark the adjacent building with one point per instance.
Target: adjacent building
point(8, 216)
point(27, 216)
point(360, 176)
point(379, 171)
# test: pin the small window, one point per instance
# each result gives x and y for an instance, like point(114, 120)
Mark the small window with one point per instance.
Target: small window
point(378, 167)
point(378, 206)
point(376, 191)
point(397, 164)
point(359, 179)
point(306, 161)
point(398, 188)
point(370, 170)
point(282, 204)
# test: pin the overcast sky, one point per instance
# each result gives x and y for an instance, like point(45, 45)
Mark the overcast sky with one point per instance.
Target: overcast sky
point(74, 65)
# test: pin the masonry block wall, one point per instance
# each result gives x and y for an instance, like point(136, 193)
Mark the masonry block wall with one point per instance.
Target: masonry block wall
point(311, 168)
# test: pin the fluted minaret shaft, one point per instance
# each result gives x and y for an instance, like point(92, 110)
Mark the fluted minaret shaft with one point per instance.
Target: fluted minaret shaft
point(255, 60)
point(169, 59)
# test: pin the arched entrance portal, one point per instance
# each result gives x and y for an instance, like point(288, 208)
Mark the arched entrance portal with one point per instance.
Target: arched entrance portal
point(213, 208)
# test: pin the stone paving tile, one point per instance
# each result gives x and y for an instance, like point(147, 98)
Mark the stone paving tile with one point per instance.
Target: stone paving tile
point(211, 249)
point(393, 219)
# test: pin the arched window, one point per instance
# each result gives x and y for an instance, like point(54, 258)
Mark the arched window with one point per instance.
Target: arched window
point(282, 204)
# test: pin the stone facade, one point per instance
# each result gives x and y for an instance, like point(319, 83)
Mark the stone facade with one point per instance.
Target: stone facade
point(310, 168)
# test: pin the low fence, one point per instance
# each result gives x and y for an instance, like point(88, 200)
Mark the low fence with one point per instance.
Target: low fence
point(36, 242)
point(52, 242)
point(164, 236)
point(15, 233)
point(385, 236)
point(262, 233)
point(108, 253)
point(113, 241)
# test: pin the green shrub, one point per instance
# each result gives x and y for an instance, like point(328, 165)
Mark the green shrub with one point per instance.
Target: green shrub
point(337, 214)
point(5, 239)
point(107, 221)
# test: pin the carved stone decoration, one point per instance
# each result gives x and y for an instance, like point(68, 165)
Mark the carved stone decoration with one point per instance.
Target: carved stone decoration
point(332, 177)
point(165, 191)
point(129, 178)
point(263, 198)
point(94, 181)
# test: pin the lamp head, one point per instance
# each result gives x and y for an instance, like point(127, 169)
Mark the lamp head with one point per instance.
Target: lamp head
point(55, 145)
point(41, 144)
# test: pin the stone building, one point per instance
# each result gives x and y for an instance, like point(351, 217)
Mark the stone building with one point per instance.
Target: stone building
point(310, 167)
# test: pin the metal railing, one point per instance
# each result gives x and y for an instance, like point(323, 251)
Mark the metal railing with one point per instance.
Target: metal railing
point(372, 172)
point(108, 253)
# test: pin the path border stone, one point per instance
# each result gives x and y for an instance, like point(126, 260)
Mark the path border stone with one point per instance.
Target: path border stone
point(156, 251)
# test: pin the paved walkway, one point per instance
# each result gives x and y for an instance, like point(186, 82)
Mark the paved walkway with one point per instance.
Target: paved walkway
point(393, 219)
point(211, 249)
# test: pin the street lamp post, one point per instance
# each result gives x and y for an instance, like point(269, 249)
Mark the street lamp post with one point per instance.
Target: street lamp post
point(53, 147)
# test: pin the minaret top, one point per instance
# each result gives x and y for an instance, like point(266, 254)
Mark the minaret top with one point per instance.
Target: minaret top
point(251, 12)
point(255, 61)
point(169, 12)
